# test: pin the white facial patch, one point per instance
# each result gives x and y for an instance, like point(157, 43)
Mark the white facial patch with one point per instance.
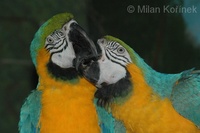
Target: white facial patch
point(110, 72)
point(61, 49)
point(113, 62)
point(65, 58)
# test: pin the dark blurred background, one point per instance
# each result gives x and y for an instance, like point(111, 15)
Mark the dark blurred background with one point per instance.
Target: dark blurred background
point(167, 39)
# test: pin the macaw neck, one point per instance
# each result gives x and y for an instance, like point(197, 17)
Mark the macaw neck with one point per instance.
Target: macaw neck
point(65, 74)
point(48, 79)
point(52, 74)
point(161, 83)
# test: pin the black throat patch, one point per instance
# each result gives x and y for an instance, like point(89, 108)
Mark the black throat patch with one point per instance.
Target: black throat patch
point(107, 93)
point(64, 74)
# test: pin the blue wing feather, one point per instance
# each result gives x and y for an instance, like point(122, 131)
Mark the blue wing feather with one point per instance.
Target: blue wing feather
point(186, 95)
point(107, 122)
point(30, 113)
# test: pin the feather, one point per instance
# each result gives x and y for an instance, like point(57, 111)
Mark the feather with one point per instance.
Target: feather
point(30, 113)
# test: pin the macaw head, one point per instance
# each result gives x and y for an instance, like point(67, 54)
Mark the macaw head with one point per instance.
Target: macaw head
point(60, 44)
point(109, 73)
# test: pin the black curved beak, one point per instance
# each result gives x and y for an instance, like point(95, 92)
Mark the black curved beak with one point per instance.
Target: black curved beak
point(84, 47)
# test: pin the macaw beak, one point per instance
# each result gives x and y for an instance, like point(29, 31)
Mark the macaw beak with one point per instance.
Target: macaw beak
point(84, 47)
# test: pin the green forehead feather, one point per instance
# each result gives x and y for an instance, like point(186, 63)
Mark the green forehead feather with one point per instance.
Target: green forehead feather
point(131, 52)
point(54, 23)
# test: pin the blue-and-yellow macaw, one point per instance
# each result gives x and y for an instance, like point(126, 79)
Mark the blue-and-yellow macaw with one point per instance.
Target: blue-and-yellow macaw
point(144, 100)
point(63, 101)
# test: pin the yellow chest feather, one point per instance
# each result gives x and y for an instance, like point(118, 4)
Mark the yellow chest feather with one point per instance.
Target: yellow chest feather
point(145, 112)
point(68, 109)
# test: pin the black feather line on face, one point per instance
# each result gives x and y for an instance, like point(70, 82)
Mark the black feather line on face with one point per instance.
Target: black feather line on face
point(59, 73)
point(107, 93)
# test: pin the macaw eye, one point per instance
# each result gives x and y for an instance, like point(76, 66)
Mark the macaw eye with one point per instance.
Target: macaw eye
point(121, 50)
point(50, 40)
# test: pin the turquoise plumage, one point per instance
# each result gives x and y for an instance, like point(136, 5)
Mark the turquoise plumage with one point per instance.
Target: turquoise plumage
point(183, 89)
point(186, 95)
point(107, 122)
point(30, 113)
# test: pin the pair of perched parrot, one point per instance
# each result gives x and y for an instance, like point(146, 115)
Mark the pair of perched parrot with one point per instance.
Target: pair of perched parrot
point(107, 88)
